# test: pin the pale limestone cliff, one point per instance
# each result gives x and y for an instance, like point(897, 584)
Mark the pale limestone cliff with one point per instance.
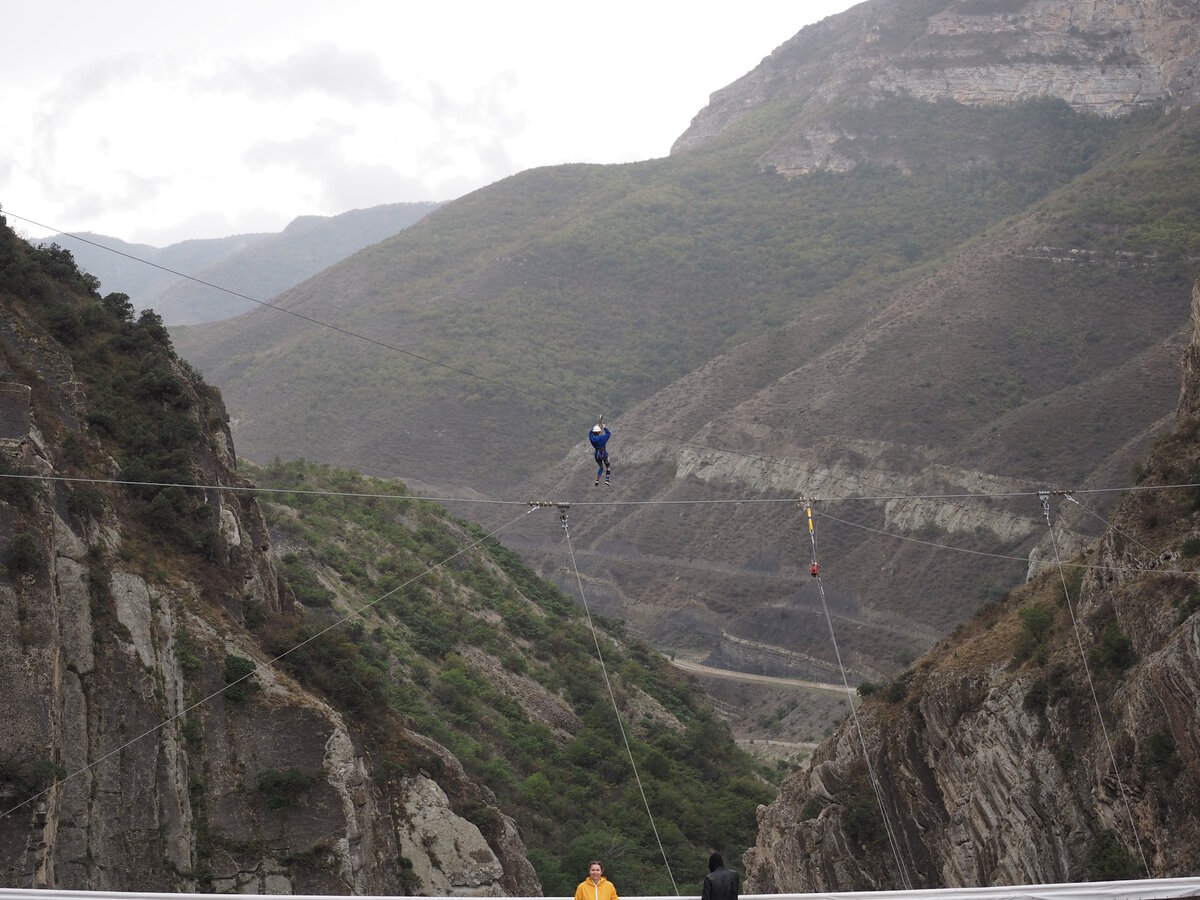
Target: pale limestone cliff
point(990, 757)
point(1107, 57)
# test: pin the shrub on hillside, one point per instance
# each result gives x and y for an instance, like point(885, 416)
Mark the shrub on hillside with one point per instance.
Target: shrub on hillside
point(239, 677)
point(862, 823)
point(1108, 859)
point(23, 555)
point(1114, 652)
point(282, 788)
point(1036, 621)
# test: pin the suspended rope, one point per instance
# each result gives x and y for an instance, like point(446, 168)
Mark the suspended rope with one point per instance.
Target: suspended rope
point(879, 498)
point(1111, 527)
point(893, 841)
point(1044, 496)
point(183, 712)
point(1024, 560)
point(674, 439)
point(562, 510)
point(715, 501)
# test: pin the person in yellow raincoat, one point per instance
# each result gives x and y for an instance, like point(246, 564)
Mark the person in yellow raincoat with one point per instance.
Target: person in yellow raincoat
point(596, 886)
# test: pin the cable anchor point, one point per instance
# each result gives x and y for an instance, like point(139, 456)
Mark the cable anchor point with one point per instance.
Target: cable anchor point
point(1045, 496)
point(560, 505)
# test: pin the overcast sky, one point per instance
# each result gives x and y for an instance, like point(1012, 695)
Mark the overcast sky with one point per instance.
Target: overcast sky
point(156, 122)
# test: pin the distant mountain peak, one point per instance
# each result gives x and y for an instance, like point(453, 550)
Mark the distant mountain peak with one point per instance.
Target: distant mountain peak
point(1107, 57)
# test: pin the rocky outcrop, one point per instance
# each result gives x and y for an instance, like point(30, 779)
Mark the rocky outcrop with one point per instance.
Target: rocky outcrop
point(1006, 756)
point(858, 467)
point(1189, 393)
point(125, 762)
point(1107, 57)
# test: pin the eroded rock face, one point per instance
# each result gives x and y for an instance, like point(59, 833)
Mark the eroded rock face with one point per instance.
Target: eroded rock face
point(448, 853)
point(1189, 393)
point(1107, 57)
point(122, 765)
point(995, 769)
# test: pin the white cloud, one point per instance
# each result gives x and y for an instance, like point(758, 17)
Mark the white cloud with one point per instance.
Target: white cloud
point(136, 118)
point(356, 77)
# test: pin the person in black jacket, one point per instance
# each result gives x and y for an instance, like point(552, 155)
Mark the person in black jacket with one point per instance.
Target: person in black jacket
point(720, 883)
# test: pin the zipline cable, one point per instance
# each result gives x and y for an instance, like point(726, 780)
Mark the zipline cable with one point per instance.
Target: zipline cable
point(893, 842)
point(346, 618)
point(1045, 499)
point(1191, 573)
point(868, 498)
point(310, 319)
point(611, 694)
point(775, 461)
point(1109, 526)
point(493, 382)
point(716, 501)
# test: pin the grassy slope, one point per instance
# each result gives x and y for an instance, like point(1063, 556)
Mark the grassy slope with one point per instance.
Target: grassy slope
point(500, 667)
point(595, 286)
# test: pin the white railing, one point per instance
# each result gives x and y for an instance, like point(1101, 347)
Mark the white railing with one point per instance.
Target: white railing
point(1145, 889)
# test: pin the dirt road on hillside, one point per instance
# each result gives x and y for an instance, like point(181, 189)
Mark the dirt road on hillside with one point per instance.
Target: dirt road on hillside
point(711, 672)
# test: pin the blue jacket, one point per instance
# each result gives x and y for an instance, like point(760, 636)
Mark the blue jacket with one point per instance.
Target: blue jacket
point(599, 440)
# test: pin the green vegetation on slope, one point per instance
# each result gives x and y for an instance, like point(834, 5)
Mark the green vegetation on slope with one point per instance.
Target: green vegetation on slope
point(1145, 201)
point(499, 666)
point(602, 284)
point(140, 413)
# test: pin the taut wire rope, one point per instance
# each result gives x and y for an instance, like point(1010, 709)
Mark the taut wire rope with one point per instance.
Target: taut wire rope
point(893, 842)
point(612, 695)
point(1045, 498)
point(1109, 525)
point(1191, 573)
point(308, 640)
point(714, 501)
point(674, 439)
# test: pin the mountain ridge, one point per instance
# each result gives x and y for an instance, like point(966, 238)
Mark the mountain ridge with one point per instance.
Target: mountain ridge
point(1101, 56)
point(259, 265)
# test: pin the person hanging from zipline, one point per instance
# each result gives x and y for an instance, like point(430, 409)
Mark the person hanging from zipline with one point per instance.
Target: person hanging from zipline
point(599, 438)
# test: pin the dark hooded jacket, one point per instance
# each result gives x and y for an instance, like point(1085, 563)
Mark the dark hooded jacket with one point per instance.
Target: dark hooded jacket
point(721, 884)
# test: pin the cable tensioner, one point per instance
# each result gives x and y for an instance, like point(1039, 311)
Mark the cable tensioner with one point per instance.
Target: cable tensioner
point(813, 570)
point(561, 506)
point(1045, 496)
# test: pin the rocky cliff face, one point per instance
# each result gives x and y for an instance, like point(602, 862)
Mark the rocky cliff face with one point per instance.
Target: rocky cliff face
point(125, 762)
point(1108, 57)
point(991, 757)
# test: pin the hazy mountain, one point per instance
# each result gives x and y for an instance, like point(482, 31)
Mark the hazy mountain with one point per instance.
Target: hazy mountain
point(259, 266)
point(846, 281)
point(121, 266)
